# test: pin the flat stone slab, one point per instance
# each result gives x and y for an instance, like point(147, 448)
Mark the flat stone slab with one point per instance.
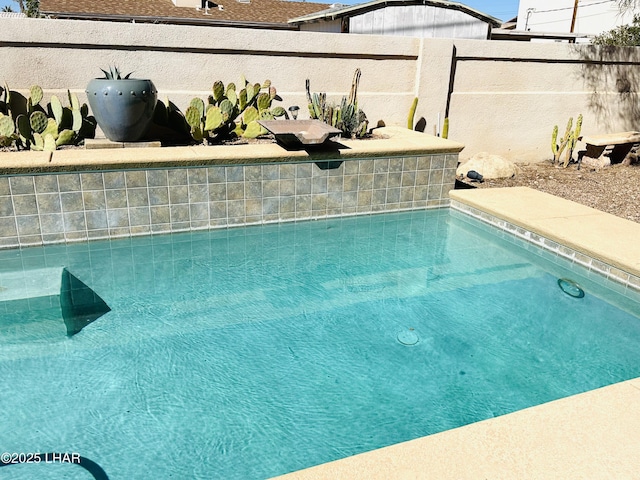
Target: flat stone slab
point(96, 143)
point(612, 139)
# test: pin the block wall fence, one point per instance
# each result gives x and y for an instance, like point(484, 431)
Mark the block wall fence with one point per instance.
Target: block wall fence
point(502, 97)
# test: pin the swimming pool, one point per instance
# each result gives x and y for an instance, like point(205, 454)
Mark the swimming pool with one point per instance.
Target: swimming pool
point(251, 352)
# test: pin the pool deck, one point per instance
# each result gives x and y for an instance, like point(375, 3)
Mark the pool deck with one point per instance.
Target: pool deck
point(594, 435)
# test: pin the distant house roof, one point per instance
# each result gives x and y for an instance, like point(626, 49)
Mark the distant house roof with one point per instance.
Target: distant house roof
point(333, 13)
point(247, 13)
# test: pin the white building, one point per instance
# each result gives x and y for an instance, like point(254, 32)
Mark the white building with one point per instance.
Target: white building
point(555, 16)
point(409, 18)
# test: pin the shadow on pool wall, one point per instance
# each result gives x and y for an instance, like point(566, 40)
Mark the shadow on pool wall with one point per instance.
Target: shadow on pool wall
point(38, 302)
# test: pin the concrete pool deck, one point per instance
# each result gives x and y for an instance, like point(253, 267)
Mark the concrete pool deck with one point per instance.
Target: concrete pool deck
point(593, 435)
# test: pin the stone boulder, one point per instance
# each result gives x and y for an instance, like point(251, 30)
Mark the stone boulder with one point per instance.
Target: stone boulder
point(488, 165)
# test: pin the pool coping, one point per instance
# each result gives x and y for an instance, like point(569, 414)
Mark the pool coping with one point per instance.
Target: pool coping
point(386, 141)
point(589, 435)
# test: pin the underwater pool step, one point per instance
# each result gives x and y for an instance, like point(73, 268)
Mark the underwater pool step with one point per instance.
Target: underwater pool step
point(77, 303)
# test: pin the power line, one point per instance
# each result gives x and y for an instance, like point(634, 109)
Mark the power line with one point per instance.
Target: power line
point(571, 8)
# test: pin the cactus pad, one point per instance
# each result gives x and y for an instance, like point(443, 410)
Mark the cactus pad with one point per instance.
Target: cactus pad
point(218, 91)
point(278, 112)
point(198, 104)
point(38, 142)
point(242, 99)
point(35, 93)
point(214, 119)
point(253, 130)
point(232, 97)
point(38, 121)
point(193, 116)
point(250, 114)
point(52, 128)
point(66, 137)
point(73, 101)
point(56, 108)
point(49, 143)
point(264, 101)
point(226, 107)
point(7, 128)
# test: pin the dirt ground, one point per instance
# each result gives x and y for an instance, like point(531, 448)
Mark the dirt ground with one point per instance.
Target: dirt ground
point(615, 189)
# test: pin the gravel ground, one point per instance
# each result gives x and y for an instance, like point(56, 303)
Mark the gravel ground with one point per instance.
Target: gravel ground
point(614, 189)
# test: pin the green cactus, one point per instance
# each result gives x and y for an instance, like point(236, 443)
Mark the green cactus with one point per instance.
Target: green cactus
point(39, 126)
point(445, 128)
point(56, 109)
point(573, 140)
point(347, 116)
point(412, 113)
point(7, 127)
point(38, 121)
point(7, 130)
point(35, 94)
point(49, 143)
point(253, 130)
point(568, 141)
point(279, 112)
point(66, 137)
point(250, 114)
point(264, 101)
point(214, 119)
point(218, 91)
point(38, 142)
point(52, 129)
point(230, 111)
point(193, 116)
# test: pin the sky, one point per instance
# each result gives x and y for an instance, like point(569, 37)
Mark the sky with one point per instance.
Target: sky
point(502, 9)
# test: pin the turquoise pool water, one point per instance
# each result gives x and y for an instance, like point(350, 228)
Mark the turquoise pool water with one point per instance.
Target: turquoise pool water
point(248, 353)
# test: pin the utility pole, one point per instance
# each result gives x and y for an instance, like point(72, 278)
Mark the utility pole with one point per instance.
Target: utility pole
point(575, 14)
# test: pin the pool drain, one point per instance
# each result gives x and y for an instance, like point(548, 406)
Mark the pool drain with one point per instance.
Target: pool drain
point(571, 288)
point(408, 337)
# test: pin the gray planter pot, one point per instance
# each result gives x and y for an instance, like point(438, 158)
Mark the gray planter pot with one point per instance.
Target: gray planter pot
point(123, 108)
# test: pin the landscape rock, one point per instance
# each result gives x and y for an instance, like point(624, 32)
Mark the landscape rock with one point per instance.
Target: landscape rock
point(595, 163)
point(488, 165)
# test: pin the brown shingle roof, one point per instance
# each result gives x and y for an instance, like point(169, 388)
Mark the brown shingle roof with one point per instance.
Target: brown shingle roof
point(255, 11)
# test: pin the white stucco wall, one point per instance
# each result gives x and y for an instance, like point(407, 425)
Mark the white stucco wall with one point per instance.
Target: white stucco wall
point(501, 97)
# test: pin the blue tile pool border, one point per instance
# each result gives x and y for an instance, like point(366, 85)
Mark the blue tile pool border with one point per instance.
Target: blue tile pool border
point(594, 265)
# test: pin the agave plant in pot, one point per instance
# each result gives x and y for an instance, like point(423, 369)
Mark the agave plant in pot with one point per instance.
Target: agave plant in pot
point(122, 106)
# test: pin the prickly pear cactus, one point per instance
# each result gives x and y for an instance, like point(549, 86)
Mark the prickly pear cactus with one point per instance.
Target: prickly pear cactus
point(66, 137)
point(218, 91)
point(7, 127)
point(279, 111)
point(193, 116)
point(38, 121)
point(52, 129)
point(229, 109)
point(56, 108)
point(7, 130)
point(253, 130)
point(35, 94)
